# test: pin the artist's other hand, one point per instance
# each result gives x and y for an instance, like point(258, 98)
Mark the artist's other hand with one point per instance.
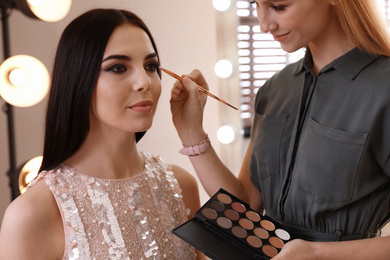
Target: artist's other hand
point(187, 107)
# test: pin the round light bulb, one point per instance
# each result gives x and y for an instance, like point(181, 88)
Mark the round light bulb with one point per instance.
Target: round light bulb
point(36, 3)
point(222, 5)
point(224, 68)
point(226, 134)
point(18, 77)
point(50, 10)
point(29, 172)
point(24, 80)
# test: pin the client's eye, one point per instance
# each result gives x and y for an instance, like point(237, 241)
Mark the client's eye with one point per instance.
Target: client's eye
point(152, 66)
point(117, 68)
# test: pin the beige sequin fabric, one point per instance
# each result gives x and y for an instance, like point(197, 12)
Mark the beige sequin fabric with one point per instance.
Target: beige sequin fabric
point(120, 219)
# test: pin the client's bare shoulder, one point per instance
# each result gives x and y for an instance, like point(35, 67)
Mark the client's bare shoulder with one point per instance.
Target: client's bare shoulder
point(32, 226)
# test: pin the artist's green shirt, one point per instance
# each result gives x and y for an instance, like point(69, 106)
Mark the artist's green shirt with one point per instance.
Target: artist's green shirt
point(321, 146)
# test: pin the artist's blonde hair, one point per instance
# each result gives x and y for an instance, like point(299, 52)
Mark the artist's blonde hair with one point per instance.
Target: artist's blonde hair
point(364, 23)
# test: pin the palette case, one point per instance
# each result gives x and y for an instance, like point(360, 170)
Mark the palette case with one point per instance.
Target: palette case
point(225, 228)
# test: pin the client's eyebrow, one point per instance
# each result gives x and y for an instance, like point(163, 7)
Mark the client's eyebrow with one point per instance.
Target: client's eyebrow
point(117, 57)
point(152, 55)
point(127, 58)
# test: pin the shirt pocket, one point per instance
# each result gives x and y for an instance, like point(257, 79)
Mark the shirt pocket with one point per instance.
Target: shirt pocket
point(266, 140)
point(327, 162)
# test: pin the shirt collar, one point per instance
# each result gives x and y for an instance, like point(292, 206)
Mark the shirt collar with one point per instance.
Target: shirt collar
point(350, 64)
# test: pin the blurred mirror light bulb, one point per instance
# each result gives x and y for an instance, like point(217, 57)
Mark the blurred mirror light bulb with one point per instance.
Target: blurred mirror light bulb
point(18, 77)
point(24, 80)
point(50, 10)
point(224, 68)
point(226, 134)
point(29, 172)
point(222, 5)
point(36, 2)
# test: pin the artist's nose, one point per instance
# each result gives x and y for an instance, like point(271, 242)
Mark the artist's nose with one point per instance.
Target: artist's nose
point(267, 23)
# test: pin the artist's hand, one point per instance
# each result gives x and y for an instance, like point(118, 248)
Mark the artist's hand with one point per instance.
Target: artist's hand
point(296, 249)
point(187, 107)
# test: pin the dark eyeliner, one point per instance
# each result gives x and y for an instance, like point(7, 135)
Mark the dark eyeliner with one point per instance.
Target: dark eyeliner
point(115, 68)
point(154, 64)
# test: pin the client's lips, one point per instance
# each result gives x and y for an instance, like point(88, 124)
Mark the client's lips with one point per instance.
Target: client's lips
point(144, 106)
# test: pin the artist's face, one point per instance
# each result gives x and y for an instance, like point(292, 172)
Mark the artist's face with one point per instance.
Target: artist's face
point(128, 87)
point(295, 23)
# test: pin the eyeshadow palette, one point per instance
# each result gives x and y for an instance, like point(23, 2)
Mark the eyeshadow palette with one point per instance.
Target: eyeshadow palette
point(225, 228)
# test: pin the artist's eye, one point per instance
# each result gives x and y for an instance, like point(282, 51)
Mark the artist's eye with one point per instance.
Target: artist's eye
point(278, 7)
point(117, 68)
point(254, 2)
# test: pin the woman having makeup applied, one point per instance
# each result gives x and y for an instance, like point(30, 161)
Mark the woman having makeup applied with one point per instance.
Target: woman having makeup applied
point(97, 196)
point(318, 160)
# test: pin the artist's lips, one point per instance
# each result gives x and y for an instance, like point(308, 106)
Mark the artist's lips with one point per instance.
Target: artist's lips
point(144, 106)
point(281, 37)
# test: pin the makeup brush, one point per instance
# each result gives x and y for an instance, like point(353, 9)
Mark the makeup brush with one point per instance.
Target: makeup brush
point(177, 76)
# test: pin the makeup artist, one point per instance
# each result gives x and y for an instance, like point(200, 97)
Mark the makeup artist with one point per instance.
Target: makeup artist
point(318, 160)
point(97, 196)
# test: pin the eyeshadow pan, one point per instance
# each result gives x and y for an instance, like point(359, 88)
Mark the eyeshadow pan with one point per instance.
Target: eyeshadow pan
point(224, 222)
point(238, 207)
point(245, 223)
point(217, 205)
point(231, 214)
point(253, 216)
point(282, 234)
point(276, 242)
point(268, 225)
point(209, 213)
point(269, 250)
point(254, 241)
point(224, 198)
point(239, 232)
point(263, 234)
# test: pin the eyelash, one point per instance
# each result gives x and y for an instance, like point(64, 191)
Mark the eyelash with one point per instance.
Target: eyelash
point(155, 66)
point(277, 7)
point(117, 68)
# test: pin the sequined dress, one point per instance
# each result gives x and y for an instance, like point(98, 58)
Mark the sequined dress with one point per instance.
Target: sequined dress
point(129, 218)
